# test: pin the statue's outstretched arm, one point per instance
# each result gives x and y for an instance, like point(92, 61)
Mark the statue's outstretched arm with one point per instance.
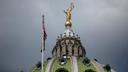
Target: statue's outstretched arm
point(65, 12)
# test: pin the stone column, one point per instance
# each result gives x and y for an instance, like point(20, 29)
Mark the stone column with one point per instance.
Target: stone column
point(69, 50)
point(75, 51)
point(63, 50)
point(54, 52)
point(80, 51)
point(58, 51)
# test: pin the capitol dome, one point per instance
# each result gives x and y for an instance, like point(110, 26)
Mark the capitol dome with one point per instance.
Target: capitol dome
point(69, 55)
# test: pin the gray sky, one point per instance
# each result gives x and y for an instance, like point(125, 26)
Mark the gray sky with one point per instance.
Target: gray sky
point(101, 24)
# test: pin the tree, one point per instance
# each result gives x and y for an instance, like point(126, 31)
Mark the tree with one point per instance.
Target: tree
point(86, 61)
point(95, 59)
point(39, 65)
point(107, 67)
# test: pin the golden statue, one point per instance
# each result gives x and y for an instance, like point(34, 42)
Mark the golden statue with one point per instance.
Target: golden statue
point(68, 16)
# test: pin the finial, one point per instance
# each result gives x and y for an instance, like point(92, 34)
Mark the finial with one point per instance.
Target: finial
point(69, 34)
point(64, 34)
point(60, 35)
point(79, 38)
point(68, 23)
point(73, 34)
point(77, 35)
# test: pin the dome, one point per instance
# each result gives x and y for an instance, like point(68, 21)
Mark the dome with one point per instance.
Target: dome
point(73, 64)
point(69, 55)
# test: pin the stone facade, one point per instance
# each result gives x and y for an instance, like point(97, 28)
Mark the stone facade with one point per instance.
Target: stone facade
point(70, 46)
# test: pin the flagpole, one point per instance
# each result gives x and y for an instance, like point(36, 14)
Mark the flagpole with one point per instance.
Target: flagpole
point(43, 38)
point(42, 59)
point(42, 53)
point(42, 43)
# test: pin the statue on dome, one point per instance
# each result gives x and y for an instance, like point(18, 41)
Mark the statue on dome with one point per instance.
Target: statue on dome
point(68, 14)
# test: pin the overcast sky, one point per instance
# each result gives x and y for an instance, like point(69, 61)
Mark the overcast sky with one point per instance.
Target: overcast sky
point(101, 24)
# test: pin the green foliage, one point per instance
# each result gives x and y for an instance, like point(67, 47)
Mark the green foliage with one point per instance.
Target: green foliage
point(86, 61)
point(36, 69)
point(107, 67)
point(39, 65)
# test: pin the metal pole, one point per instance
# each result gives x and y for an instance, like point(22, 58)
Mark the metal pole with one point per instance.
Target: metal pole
point(42, 58)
